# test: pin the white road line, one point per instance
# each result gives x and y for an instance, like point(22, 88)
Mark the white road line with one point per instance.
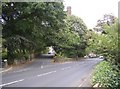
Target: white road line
point(46, 73)
point(84, 81)
point(66, 62)
point(11, 82)
point(21, 70)
point(65, 68)
point(41, 66)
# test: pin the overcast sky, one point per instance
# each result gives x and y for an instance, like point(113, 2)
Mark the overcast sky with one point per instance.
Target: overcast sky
point(92, 10)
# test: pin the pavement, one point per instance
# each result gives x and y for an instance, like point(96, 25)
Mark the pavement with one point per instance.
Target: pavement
point(43, 73)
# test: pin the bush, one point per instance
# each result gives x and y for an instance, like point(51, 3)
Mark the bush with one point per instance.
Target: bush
point(4, 55)
point(107, 75)
point(26, 55)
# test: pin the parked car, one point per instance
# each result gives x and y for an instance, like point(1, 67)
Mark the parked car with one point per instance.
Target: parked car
point(101, 57)
point(86, 56)
point(92, 55)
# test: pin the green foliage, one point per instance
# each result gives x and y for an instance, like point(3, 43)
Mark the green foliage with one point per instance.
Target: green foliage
point(59, 55)
point(76, 24)
point(30, 26)
point(4, 53)
point(107, 75)
point(105, 44)
point(26, 55)
point(66, 41)
point(71, 40)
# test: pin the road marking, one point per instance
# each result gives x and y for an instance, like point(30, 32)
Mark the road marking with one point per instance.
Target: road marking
point(65, 68)
point(23, 70)
point(41, 66)
point(6, 70)
point(84, 80)
point(11, 82)
point(96, 85)
point(46, 73)
point(66, 62)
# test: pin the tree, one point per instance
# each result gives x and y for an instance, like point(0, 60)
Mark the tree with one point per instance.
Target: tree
point(66, 41)
point(106, 44)
point(107, 73)
point(28, 23)
point(71, 40)
point(77, 26)
point(108, 19)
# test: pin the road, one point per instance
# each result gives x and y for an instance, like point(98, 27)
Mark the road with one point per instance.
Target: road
point(43, 73)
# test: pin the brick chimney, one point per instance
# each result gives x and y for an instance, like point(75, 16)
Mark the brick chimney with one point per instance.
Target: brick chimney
point(69, 10)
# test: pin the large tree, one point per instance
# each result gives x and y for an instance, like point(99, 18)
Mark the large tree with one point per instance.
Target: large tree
point(72, 39)
point(77, 26)
point(31, 26)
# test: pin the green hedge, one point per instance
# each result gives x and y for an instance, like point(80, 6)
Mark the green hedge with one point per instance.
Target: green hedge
point(107, 75)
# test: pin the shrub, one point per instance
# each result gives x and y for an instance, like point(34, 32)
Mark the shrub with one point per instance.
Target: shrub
point(26, 55)
point(107, 75)
point(4, 55)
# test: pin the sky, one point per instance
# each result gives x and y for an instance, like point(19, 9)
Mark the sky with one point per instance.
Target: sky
point(92, 10)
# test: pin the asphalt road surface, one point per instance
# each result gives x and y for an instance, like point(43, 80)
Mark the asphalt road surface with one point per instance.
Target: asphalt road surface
point(43, 73)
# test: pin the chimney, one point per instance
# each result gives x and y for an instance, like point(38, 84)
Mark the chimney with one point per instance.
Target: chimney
point(69, 10)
